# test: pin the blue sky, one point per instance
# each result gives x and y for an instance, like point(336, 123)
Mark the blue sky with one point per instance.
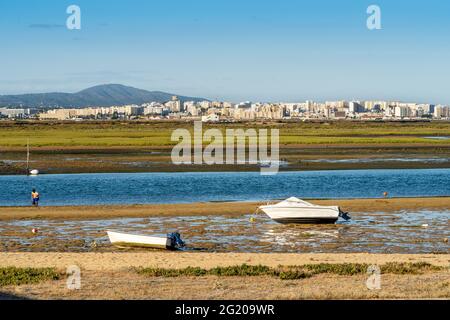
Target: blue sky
point(258, 50)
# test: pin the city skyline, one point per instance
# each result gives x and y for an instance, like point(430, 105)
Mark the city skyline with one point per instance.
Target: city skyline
point(221, 111)
point(230, 51)
point(186, 98)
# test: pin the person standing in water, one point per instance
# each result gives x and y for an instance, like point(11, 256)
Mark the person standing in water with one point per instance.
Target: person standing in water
point(35, 197)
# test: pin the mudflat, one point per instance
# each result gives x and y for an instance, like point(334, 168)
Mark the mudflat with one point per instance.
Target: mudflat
point(145, 146)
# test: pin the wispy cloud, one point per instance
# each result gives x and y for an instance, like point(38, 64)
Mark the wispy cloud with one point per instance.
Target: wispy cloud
point(45, 26)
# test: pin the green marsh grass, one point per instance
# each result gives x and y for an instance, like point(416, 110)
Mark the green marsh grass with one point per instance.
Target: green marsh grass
point(145, 134)
point(12, 276)
point(290, 272)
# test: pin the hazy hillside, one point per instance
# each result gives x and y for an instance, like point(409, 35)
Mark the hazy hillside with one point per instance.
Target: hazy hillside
point(102, 95)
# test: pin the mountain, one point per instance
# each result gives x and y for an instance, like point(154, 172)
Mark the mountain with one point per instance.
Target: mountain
point(102, 95)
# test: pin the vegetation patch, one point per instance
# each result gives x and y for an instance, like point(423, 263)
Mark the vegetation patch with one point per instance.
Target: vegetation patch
point(13, 276)
point(293, 274)
point(342, 269)
point(409, 268)
point(290, 272)
point(170, 273)
point(242, 270)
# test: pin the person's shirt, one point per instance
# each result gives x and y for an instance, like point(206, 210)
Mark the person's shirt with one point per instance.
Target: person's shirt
point(35, 195)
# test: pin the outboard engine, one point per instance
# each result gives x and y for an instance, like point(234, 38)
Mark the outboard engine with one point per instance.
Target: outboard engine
point(175, 238)
point(344, 215)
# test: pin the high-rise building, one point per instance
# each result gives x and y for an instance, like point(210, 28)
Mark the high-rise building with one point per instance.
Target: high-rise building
point(355, 107)
point(174, 105)
point(402, 112)
point(441, 112)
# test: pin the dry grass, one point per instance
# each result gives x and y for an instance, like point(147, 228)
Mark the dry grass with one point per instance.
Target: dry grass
point(222, 276)
point(117, 261)
point(129, 285)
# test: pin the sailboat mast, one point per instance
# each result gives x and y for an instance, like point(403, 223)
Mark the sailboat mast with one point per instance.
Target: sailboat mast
point(28, 156)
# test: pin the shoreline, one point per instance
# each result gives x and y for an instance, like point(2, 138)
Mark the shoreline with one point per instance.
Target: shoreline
point(212, 208)
point(239, 169)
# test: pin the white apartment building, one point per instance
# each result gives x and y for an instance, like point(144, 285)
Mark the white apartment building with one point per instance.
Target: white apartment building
point(174, 105)
point(382, 105)
point(14, 113)
point(441, 112)
point(228, 105)
point(205, 104)
point(193, 110)
point(337, 104)
point(189, 105)
point(355, 107)
point(155, 110)
point(402, 112)
point(67, 114)
point(58, 114)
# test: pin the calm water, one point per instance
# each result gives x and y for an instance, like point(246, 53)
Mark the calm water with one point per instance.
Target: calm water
point(141, 188)
point(398, 232)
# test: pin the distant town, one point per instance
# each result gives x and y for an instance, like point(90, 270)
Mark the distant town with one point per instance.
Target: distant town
point(218, 111)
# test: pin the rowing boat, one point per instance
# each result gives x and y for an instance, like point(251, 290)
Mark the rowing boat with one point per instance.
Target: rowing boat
point(170, 242)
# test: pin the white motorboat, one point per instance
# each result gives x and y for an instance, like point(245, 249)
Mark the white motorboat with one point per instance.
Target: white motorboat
point(294, 210)
point(171, 242)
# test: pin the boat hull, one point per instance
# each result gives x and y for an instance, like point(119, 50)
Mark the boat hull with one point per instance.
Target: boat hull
point(138, 241)
point(302, 215)
point(306, 220)
point(34, 172)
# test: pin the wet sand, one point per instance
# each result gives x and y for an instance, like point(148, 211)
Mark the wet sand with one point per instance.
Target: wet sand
point(61, 160)
point(212, 208)
point(378, 232)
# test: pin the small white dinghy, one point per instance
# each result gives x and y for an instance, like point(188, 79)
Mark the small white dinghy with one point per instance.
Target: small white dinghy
point(34, 172)
point(294, 210)
point(171, 242)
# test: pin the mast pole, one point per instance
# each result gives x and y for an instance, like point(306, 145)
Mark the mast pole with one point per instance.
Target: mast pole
point(28, 156)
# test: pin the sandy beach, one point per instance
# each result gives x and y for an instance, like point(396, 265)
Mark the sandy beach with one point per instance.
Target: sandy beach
point(125, 260)
point(109, 276)
point(211, 208)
